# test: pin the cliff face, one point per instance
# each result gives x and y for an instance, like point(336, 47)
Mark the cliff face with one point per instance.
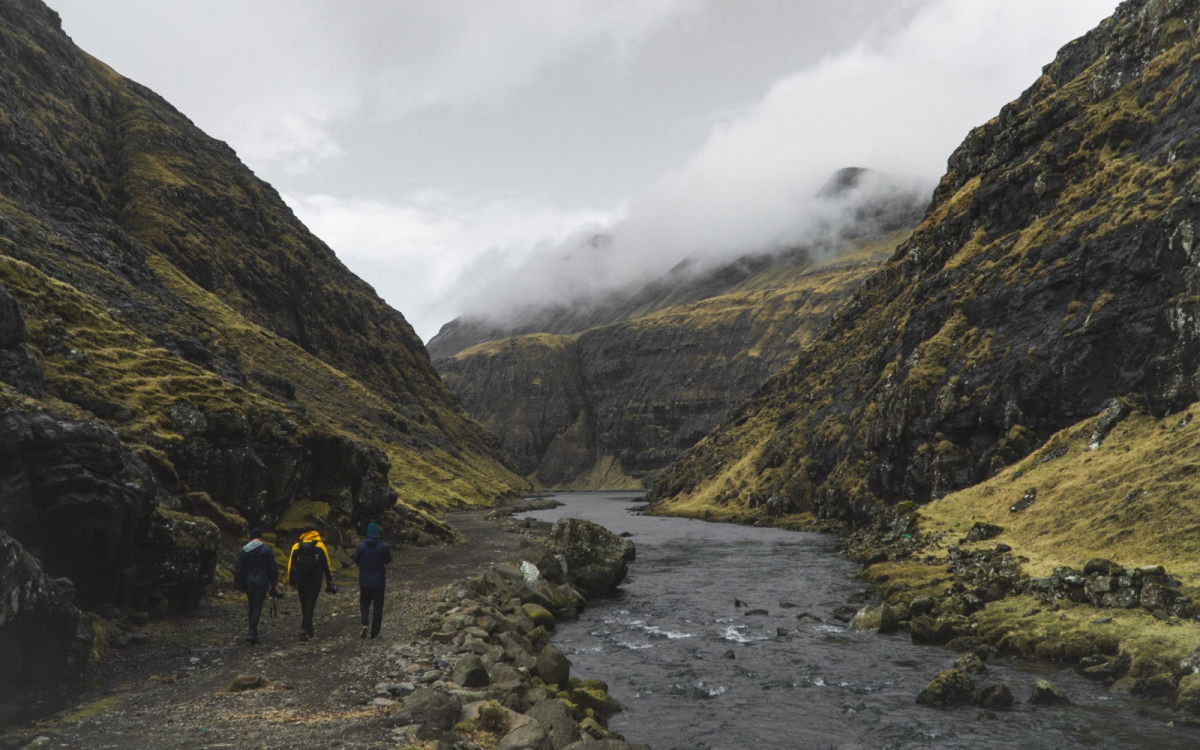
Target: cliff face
point(611, 406)
point(1055, 270)
point(175, 344)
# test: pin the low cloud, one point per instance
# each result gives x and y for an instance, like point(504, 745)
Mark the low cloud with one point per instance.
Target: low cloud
point(898, 105)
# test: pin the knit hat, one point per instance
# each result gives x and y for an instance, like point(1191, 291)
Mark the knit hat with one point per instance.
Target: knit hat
point(256, 533)
point(373, 529)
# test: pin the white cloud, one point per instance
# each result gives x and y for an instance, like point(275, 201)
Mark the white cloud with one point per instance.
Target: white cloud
point(899, 104)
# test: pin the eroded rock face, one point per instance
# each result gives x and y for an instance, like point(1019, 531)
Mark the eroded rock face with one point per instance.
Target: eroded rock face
point(44, 638)
point(1045, 281)
point(74, 498)
point(17, 367)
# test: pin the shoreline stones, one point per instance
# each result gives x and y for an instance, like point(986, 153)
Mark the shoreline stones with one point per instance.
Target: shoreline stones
point(492, 634)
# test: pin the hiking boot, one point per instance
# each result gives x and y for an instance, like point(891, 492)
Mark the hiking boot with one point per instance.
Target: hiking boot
point(252, 640)
point(304, 636)
point(363, 634)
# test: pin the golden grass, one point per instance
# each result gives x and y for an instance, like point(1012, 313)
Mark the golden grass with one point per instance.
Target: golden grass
point(1135, 500)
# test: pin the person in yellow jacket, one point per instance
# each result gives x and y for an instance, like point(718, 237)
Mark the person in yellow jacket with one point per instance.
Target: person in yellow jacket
point(307, 564)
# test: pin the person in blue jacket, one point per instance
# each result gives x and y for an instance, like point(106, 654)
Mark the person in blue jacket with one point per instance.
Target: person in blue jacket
point(371, 557)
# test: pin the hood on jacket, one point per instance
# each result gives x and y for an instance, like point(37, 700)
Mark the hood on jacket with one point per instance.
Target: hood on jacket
point(371, 541)
point(310, 536)
point(253, 545)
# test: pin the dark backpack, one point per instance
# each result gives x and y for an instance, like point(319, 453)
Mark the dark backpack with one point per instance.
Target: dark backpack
point(306, 565)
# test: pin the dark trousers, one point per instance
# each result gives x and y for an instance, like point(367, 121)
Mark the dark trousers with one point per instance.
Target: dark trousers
point(255, 599)
point(366, 597)
point(308, 605)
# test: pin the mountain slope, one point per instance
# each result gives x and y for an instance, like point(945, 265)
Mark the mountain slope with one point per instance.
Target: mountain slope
point(109, 190)
point(1055, 270)
point(614, 404)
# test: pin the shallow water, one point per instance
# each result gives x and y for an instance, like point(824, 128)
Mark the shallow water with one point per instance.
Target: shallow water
point(661, 645)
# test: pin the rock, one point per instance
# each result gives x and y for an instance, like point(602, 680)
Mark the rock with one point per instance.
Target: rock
point(1025, 502)
point(44, 638)
point(17, 367)
point(556, 719)
point(539, 615)
point(1045, 694)
point(845, 613)
point(553, 667)
point(597, 560)
point(1100, 566)
point(926, 629)
point(1187, 695)
point(605, 745)
point(729, 655)
point(922, 605)
point(951, 687)
point(429, 707)
point(970, 663)
point(470, 672)
point(529, 736)
point(244, 682)
point(995, 697)
point(983, 531)
point(756, 613)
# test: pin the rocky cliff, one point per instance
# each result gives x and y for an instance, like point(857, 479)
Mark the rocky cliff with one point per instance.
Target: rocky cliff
point(1056, 269)
point(614, 404)
point(178, 353)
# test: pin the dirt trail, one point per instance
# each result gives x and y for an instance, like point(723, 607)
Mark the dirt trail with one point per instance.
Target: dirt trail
point(170, 692)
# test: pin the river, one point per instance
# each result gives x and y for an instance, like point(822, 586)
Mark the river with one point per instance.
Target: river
point(663, 642)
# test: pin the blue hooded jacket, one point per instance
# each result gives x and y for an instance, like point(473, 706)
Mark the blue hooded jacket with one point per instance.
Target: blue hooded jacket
point(371, 555)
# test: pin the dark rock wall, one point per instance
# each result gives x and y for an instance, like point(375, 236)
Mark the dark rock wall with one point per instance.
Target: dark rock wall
point(44, 638)
point(1055, 270)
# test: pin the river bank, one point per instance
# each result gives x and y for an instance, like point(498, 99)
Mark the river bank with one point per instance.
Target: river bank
point(170, 685)
point(732, 635)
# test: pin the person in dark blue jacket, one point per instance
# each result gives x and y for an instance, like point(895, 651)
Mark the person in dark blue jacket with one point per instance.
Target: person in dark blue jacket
point(371, 556)
point(257, 574)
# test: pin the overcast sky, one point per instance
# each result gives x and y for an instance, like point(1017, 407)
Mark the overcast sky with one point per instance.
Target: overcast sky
point(452, 152)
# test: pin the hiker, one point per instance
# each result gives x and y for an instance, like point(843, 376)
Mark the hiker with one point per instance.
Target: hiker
point(371, 555)
point(256, 574)
point(308, 562)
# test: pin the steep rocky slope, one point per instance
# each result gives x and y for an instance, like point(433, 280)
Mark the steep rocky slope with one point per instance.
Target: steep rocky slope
point(612, 405)
point(179, 355)
point(1055, 270)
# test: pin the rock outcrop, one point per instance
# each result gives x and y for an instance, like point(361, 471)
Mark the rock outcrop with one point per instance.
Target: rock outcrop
point(44, 638)
point(1054, 271)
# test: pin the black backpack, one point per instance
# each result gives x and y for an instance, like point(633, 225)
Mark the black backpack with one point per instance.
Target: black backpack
point(306, 565)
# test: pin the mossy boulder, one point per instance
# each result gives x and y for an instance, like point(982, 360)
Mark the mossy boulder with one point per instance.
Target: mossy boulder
point(540, 616)
point(1187, 695)
point(951, 687)
point(1046, 694)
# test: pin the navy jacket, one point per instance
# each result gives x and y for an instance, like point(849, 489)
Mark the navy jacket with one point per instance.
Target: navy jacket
point(256, 571)
point(370, 557)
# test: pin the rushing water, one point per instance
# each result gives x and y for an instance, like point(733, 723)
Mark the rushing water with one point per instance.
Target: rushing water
point(662, 645)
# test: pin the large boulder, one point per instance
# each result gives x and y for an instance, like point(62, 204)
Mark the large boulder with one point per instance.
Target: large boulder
point(553, 667)
point(597, 559)
point(75, 499)
point(429, 707)
point(530, 736)
point(556, 718)
point(44, 638)
point(951, 687)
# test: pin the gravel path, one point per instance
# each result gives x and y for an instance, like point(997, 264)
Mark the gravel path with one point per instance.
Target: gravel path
point(171, 691)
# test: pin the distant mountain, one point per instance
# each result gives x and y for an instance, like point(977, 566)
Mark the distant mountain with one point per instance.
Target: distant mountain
point(611, 406)
point(178, 356)
point(1054, 272)
point(869, 205)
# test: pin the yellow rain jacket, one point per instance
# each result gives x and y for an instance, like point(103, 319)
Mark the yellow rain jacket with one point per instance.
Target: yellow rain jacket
point(322, 558)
